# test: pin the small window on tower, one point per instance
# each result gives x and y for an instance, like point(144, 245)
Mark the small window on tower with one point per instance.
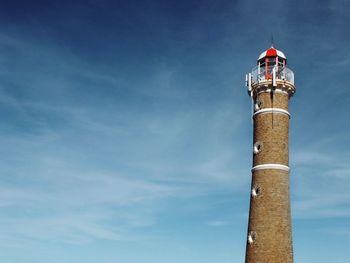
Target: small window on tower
point(257, 147)
point(258, 104)
point(256, 191)
point(251, 237)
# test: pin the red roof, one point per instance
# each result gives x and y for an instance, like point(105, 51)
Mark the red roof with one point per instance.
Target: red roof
point(272, 52)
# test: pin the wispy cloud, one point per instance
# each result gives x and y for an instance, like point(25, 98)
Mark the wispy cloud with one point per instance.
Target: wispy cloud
point(321, 179)
point(83, 170)
point(218, 223)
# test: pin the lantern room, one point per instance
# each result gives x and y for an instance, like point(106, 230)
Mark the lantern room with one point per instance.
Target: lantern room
point(271, 70)
point(269, 59)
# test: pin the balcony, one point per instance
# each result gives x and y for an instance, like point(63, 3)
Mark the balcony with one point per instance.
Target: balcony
point(264, 74)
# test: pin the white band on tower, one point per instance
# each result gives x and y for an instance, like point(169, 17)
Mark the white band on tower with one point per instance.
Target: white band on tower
point(274, 110)
point(271, 166)
point(270, 90)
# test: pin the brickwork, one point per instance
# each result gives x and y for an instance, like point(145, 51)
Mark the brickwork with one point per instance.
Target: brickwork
point(270, 219)
point(271, 131)
point(269, 227)
point(280, 100)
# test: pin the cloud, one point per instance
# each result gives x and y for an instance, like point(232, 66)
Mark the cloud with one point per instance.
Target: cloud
point(320, 178)
point(82, 164)
point(218, 223)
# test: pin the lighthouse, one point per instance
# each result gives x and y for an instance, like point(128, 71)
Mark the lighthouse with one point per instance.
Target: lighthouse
point(270, 85)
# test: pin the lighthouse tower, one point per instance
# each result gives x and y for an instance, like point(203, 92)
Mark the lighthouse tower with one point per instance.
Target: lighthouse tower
point(270, 85)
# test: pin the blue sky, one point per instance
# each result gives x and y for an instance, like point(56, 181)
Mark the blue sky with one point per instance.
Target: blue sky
point(126, 135)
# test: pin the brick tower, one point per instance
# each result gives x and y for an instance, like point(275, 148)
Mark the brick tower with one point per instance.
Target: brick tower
point(270, 86)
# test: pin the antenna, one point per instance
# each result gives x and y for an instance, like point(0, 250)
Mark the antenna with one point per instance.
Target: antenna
point(272, 43)
point(248, 82)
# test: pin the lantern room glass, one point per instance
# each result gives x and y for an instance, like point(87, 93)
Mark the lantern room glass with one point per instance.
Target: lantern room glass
point(266, 65)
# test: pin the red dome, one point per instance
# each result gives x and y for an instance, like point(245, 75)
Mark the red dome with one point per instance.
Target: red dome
point(272, 52)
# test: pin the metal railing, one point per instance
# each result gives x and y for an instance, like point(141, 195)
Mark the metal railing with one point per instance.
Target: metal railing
point(265, 73)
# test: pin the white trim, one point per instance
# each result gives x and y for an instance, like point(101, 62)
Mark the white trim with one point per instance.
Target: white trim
point(271, 166)
point(275, 91)
point(272, 110)
point(281, 54)
point(263, 54)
